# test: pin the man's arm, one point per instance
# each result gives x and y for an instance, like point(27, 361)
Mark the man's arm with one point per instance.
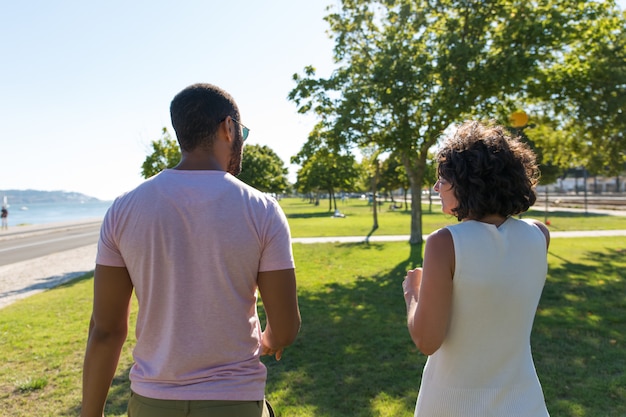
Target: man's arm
point(107, 332)
point(280, 300)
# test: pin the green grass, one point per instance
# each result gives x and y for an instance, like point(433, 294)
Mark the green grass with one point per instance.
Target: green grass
point(42, 342)
point(307, 220)
point(353, 356)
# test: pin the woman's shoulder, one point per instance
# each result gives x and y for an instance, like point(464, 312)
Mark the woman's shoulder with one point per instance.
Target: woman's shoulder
point(441, 237)
point(542, 227)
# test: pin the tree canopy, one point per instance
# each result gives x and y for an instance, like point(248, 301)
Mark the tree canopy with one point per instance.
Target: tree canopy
point(165, 154)
point(584, 92)
point(263, 169)
point(325, 167)
point(407, 70)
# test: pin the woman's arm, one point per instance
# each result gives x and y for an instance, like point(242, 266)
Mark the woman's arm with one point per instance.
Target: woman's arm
point(428, 293)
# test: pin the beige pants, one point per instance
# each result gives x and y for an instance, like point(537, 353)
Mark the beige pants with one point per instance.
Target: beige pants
point(139, 406)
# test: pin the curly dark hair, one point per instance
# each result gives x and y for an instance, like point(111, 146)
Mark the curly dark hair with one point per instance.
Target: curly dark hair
point(196, 113)
point(490, 171)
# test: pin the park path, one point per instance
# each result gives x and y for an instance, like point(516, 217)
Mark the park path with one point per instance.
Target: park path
point(400, 238)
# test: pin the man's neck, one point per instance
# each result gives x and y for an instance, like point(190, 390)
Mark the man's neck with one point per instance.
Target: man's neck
point(199, 162)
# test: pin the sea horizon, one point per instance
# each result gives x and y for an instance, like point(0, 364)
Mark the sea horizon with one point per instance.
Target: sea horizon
point(57, 212)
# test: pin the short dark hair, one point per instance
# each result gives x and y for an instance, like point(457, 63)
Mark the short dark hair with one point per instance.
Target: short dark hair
point(490, 171)
point(196, 113)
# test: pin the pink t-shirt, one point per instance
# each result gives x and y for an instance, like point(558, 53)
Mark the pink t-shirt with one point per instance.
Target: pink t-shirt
point(193, 243)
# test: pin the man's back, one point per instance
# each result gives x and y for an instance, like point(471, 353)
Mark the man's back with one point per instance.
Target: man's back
point(193, 243)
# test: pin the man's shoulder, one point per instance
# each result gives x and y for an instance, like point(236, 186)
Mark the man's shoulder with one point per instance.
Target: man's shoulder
point(252, 192)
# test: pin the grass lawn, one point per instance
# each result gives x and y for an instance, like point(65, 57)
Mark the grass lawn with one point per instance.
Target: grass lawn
point(354, 356)
point(308, 220)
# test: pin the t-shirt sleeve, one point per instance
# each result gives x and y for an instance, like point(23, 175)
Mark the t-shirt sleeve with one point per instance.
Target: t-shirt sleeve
point(108, 252)
point(277, 252)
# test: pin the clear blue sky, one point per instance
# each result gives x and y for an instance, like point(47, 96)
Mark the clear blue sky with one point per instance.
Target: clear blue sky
point(85, 86)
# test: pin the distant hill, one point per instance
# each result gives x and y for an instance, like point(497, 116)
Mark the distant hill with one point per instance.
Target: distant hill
point(15, 197)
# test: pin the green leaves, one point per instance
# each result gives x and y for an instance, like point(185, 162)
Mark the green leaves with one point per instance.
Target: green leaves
point(165, 154)
point(263, 169)
point(326, 170)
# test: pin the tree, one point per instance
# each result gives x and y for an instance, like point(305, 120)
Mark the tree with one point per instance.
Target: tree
point(551, 147)
point(263, 169)
point(371, 169)
point(165, 154)
point(328, 171)
point(585, 90)
point(407, 70)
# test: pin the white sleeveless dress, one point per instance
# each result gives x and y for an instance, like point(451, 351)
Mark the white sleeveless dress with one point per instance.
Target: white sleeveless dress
point(484, 366)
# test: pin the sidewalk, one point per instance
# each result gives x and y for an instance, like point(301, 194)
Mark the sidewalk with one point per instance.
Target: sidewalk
point(399, 238)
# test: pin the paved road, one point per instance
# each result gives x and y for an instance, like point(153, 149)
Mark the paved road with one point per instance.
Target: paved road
point(35, 258)
point(29, 242)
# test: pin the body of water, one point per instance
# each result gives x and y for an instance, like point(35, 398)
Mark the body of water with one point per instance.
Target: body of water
point(43, 213)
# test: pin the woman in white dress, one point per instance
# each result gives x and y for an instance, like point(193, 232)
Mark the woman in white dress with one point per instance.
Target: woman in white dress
point(471, 306)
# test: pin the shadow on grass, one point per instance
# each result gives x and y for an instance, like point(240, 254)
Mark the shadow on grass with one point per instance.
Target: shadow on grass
point(46, 283)
point(353, 350)
point(83, 276)
point(579, 336)
point(117, 400)
point(309, 215)
point(354, 353)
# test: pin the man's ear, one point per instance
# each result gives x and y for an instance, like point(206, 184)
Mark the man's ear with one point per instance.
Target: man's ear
point(226, 130)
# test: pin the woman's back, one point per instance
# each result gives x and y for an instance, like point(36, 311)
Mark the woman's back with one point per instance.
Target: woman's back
point(484, 366)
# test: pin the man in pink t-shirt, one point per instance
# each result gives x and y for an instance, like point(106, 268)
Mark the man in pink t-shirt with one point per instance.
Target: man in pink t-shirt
point(195, 244)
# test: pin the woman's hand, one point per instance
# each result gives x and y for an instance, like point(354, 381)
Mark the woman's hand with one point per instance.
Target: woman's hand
point(411, 284)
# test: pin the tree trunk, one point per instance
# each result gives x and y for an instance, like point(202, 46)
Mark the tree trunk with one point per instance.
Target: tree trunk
point(416, 214)
point(374, 184)
point(416, 179)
